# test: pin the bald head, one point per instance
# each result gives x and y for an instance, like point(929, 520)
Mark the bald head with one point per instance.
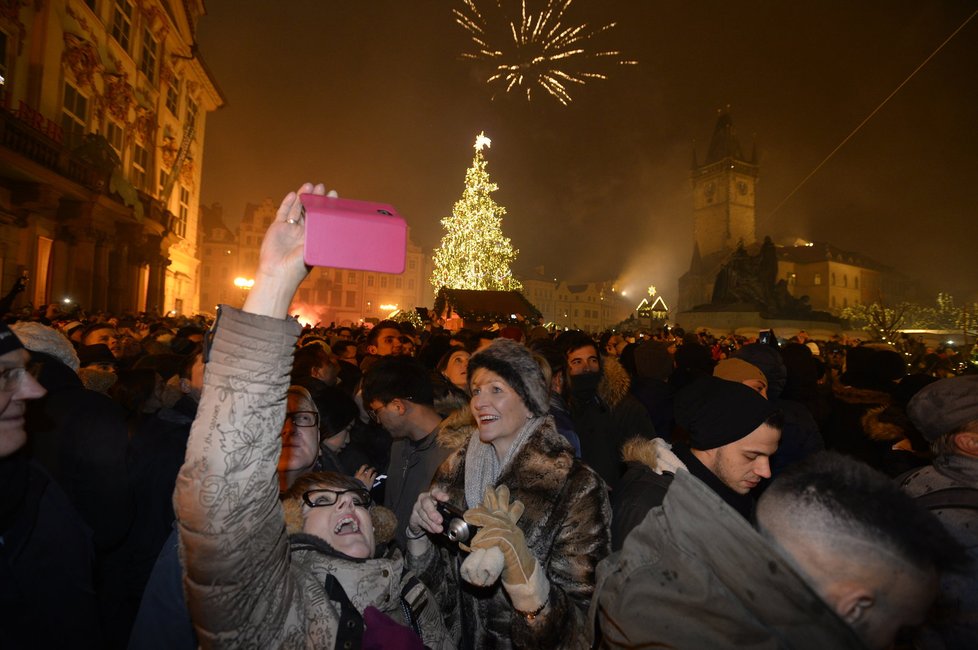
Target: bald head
point(865, 547)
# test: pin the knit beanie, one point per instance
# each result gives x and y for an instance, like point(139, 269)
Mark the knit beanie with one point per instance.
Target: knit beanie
point(515, 365)
point(944, 406)
point(716, 412)
point(41, 338)
point(768, 360)
point(739, 370)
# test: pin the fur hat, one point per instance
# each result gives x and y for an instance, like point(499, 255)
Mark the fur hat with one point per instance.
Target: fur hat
point(717, 412)
point(41, 338)
point(945, 406)
point(739, 370)
point(515, 365)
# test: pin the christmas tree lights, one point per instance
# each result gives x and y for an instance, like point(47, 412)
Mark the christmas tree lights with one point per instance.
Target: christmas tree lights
point(473, 253)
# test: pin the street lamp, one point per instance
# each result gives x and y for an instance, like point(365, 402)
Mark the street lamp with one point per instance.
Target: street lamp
point(245, 284)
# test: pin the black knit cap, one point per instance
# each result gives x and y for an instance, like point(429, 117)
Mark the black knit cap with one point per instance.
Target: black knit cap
point(8, 340)
point(717, 412)
point(514, 363)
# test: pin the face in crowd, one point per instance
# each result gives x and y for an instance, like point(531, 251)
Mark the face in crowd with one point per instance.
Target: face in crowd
point(340, 516)
point(388, 342)
point(300, 442)
point(498, 409)
point(17, 386)
point(742, 463)
point(456, 370)
point(106, 336)
point(583, 360)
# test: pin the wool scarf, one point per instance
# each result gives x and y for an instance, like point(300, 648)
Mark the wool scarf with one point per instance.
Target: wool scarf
point(483, 467)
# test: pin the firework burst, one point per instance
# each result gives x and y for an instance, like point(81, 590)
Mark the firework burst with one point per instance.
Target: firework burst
point(537, 50)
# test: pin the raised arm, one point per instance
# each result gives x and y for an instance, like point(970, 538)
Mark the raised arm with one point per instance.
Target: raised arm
point(232, 533)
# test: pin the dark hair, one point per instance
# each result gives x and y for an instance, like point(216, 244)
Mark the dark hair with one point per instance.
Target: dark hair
point(374, 333)
point(94, 327)
point(442, 364)
point(397, 378)
point(340, 346)
point(549, 351)
point(336, 410)
point(488, 335)
point(308, 358)
point(868, 505)
point(573, 340)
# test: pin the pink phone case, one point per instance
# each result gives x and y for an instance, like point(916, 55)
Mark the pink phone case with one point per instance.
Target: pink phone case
point(348, 234)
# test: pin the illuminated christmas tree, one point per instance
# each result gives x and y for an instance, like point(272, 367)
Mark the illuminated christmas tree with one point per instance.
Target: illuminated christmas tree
point(474, 254)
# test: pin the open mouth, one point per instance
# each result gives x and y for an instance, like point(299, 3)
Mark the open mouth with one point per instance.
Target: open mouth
point(486, 418)
point(347, 526)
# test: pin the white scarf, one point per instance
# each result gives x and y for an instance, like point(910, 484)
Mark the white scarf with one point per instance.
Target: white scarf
point(483, 467)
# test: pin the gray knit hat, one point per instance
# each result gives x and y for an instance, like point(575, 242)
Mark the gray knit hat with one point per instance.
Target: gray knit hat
point(514, 363)
point(944, 406)
point(41, 338)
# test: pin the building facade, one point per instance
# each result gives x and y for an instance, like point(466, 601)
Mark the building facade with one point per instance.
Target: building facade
point(328, 295)
point(590, 306)
point(102, 127)
point(724, 216)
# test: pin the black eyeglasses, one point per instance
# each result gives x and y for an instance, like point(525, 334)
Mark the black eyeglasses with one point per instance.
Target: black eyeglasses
point(325, 497)
point(374, 414)
point(303, 418)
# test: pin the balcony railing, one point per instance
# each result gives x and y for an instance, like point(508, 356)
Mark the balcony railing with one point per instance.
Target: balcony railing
point(30, 134)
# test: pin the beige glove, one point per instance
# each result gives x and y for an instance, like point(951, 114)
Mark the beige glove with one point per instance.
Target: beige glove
point(522, 577)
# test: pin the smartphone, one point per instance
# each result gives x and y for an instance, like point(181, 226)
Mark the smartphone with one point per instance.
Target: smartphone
point(356, 235)
point(767, 337)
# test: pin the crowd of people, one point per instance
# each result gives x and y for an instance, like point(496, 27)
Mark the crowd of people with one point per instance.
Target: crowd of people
point(257, 483)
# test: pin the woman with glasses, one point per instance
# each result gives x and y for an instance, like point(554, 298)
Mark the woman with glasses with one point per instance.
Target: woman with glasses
point(250, 580)
point(316, 431)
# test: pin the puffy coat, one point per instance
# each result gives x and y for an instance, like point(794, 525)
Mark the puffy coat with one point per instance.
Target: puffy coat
point(244, 587)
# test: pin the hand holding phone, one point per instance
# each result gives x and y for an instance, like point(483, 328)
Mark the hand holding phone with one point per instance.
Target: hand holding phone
point(349, 234)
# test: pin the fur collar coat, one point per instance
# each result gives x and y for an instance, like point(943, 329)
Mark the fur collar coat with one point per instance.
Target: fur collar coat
point(566, 524)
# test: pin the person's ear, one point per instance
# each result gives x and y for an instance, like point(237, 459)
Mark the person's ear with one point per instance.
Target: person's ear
point(967, 442)
point(854, 605)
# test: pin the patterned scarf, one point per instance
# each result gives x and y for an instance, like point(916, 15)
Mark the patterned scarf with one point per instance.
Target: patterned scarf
point(483, 467)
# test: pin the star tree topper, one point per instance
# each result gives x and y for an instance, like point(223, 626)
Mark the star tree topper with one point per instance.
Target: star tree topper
point(482, 141)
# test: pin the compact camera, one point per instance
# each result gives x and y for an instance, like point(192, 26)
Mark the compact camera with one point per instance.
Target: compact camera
point(454, 526)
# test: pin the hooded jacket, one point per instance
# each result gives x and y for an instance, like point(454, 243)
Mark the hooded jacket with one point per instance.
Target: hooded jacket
point(245, 586)
point(565, 523)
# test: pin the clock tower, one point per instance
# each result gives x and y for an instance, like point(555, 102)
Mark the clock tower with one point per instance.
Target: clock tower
point(723, 193)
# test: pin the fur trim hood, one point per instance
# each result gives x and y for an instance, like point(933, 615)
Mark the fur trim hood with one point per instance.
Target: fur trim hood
point(615, 382)
point(656, 454)
point(886, 424)
point(456, 429)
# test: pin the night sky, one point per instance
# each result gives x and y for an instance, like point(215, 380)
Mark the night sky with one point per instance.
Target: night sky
point(373, 98)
